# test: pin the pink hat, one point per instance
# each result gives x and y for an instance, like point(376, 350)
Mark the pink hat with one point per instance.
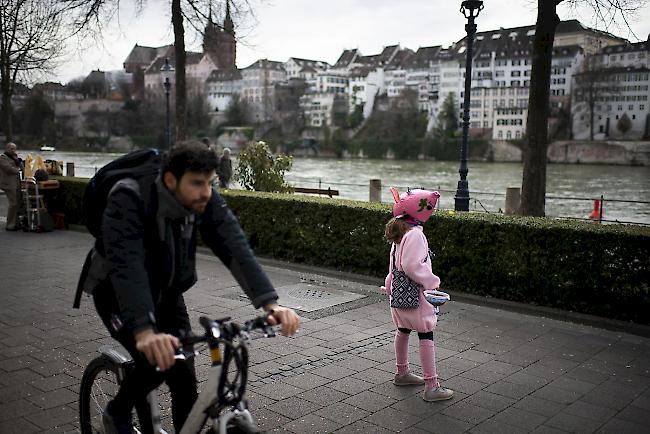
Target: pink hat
point(416, 204)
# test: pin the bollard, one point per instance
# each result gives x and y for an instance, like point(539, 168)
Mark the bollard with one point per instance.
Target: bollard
point(596, 215)
point(513, 200)
point(69, 169)
point(375, 190)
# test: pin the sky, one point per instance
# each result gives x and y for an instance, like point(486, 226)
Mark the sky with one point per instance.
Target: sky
point(319, 29)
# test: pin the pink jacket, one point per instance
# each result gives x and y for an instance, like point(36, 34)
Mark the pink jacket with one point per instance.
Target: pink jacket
point(412, 256)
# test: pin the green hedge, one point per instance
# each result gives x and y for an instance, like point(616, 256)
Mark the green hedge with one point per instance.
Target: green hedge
point(576, 266)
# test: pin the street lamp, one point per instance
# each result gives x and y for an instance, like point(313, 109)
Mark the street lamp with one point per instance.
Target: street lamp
point(470, 9)
point(166, 72)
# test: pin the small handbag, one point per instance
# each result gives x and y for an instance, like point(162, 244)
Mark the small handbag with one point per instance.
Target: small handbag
point(405, 293)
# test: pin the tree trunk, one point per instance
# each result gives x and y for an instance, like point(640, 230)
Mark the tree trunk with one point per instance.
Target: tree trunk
point(533, 189)
point(7, 126)
point(179, 51)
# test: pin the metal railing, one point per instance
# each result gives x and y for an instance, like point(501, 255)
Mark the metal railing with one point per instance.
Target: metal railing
point(476, 198)
point(478, 204)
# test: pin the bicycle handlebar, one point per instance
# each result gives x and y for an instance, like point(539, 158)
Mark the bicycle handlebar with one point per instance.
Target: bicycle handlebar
point(225, 329)
point(222, 329)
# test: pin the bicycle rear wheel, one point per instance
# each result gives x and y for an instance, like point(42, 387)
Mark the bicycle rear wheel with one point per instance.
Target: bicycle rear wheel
point(99, 384)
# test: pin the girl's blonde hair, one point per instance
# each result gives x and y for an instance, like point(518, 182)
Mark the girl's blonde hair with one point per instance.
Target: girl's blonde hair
point(395, 230)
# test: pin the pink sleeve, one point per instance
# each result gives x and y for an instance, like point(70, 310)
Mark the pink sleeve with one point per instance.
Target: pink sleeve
point(415, 260)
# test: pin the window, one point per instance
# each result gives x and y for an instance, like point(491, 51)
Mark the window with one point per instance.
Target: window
point(486, 124)
point(515, 73)
point(515, 83)
point(498, 73)
point(500, 134)
point(630, 107)
point(517, 134)
point(516, 62)
point(641, 107)
point(509, 135)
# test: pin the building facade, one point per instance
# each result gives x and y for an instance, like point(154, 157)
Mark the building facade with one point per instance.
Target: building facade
point(612, 94)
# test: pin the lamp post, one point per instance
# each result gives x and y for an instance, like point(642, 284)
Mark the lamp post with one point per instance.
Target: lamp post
point(470, 9)
point(166, 71)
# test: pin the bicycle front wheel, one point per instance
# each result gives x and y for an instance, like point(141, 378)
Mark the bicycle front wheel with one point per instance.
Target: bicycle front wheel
point(99, 384)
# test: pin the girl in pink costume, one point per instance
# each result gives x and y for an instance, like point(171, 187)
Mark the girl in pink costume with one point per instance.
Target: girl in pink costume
point(411, 252)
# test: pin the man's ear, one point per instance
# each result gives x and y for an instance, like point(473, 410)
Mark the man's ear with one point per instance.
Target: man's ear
point(170, 181)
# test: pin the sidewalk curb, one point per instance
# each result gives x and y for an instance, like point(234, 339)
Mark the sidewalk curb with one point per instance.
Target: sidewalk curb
point(464, 297)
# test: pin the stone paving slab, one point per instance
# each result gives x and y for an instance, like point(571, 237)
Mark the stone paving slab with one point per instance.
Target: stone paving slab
point(512, 372)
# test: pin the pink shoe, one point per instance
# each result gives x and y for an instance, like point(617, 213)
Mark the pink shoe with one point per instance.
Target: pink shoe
point(407, 379)
point(438, 394)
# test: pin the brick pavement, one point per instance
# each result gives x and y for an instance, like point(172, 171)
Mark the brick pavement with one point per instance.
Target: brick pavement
point(511, 372)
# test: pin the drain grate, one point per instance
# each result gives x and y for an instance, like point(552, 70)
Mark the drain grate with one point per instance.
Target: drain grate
point(310, 293)
point(308, 298)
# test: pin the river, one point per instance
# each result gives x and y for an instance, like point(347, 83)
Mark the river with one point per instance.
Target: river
point(570, 188)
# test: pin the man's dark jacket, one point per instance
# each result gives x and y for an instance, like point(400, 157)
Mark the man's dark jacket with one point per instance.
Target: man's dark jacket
point(147, 250)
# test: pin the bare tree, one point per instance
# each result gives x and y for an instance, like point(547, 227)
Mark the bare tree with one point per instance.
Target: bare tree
point(533, 189)
point(591, 85)
point(91, 15)
point(30, 43)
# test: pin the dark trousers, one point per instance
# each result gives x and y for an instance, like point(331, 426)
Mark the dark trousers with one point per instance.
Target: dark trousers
point(171, 317)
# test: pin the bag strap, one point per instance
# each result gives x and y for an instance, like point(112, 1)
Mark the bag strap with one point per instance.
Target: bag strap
point(393, 249)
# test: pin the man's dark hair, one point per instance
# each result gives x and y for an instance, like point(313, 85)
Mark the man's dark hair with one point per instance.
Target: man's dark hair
point(190, 157)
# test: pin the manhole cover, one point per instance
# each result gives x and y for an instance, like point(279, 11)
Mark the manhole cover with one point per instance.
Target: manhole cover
point(308, 298)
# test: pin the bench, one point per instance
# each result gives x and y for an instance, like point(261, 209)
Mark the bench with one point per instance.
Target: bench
point(329, 192)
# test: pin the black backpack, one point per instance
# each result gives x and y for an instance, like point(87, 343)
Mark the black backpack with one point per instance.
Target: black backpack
point(138, 165)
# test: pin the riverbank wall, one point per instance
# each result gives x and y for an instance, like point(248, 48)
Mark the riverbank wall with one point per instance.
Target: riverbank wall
point(625, 153)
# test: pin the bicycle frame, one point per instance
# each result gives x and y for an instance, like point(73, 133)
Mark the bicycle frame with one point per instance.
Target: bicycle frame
point(209, 396)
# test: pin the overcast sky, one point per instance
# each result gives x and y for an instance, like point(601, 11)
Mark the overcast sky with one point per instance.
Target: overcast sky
point(322, 29)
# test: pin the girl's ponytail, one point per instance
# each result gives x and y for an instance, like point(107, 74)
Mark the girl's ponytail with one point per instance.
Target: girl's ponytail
point(395, 230)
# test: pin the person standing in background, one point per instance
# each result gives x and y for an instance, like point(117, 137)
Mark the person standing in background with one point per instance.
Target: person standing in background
point(10, 167)
point(224, 170)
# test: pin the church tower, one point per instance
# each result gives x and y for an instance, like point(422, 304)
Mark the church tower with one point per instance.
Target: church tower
point(220, 44)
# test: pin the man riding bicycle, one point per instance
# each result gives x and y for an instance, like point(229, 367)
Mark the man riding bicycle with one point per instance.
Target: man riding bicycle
point(144, 261)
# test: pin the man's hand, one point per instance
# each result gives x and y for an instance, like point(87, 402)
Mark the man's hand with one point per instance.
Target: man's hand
point(158, 348)
point(287, 317)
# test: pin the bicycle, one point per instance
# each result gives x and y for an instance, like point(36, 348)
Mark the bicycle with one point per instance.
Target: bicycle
point(220, 405)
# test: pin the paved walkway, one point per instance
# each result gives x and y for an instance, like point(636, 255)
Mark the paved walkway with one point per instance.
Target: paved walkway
point(512, 372)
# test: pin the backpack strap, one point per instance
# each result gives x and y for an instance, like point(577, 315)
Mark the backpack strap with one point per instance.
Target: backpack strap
point(82, 279)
